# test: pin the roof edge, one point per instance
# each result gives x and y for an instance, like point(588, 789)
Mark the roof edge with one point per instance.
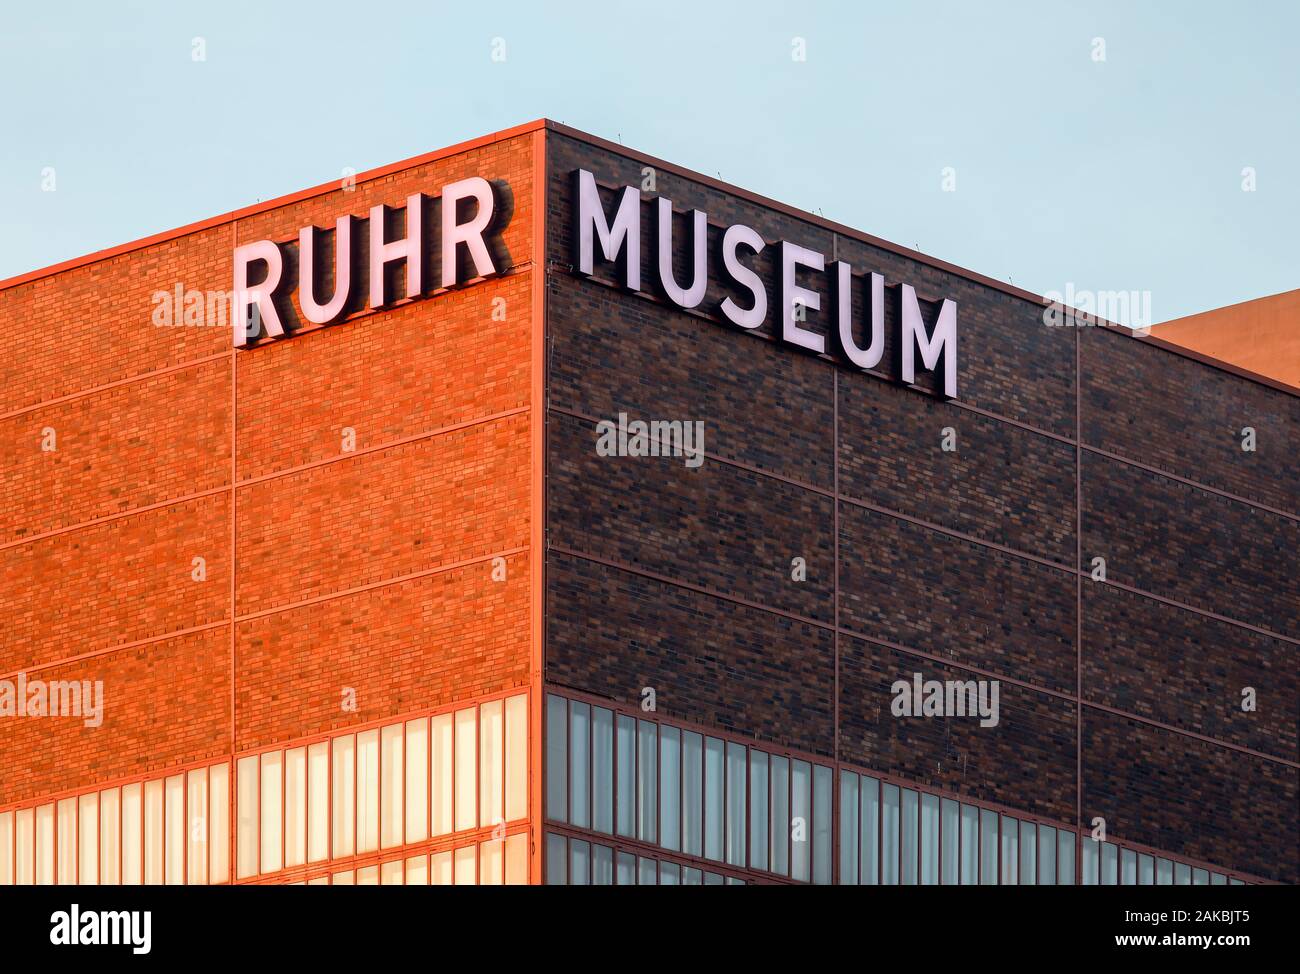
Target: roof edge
point(271, 204)
point(935, 262)
point(686, 173)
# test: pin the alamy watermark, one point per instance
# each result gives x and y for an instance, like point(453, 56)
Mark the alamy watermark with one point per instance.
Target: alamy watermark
point(22, 697)
point(653, 438)
point(1078, 308)
point(946, 698)
point(80, 928)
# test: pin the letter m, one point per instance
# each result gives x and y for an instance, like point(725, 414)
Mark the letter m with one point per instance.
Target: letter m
point(941, 341)
point(624, 235)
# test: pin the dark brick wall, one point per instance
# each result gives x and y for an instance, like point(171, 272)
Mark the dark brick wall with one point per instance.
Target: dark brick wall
point(1177, 415)
point(1001, 484)
point(961, 601)
point(663, 576)
point(716, 526)
point(1026, 762)
point(1187, 544)
point(613, 632)
point(764, 406)
point(1173, 792)
point(1188, 670)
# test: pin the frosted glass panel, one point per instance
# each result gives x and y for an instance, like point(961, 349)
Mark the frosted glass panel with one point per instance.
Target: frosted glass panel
point(132, 835)
point(1028, 854)
point(66, 842)
point(174, 822)
point(295, 806)
point(602, 770)
point(318, 809)
point(736, 787)
point(869, 836)
point(950, 851)
point(270, 811)
point(392, 777)
point(970, 845)
point(45, 845)
point(557, 759)
point(988, 847)
point(625, 754)
point(417, 871)
point(910, 846)
point(670, 788)
point(344, 752)
point(367, 792)
point(780, 846)
point(1010, 851)
point(6, 848)
point(417, 783)
point(1047, 847)
point(441, 774)
point(492, 745)
point(889, 860)
point(24, 855)
point(440, 869)
point(713, 797)
point(197, 826)
point(929, 840)
point(516, 758)
point(110, 834)
point(465, 863)
point(647, 800)
point(466, 756)
point(219, 812)
point(517, 859)
point(153, 833)
point(759, 809)
point(692, 793)
point(491, 866)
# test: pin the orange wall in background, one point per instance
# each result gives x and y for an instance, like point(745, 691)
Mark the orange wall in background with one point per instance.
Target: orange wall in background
point(1260, 336)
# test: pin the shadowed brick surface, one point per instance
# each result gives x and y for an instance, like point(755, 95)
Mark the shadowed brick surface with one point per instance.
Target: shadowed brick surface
point(713, 662)
point(960, 601)
point(1187, 544)
point(1175, 414)
point(1188, 671)
point(1026, 761)
point(761, 405)
point(1001, 484)
point(1191, 798)
point(715, 525)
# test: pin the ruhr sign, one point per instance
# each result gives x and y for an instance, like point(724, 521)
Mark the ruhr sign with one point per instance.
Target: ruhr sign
point(466, 239)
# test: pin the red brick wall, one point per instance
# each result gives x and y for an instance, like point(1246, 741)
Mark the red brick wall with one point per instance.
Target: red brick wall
point(370, 570)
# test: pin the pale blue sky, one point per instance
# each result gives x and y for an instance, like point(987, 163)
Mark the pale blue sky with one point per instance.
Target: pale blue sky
point(1115, 175)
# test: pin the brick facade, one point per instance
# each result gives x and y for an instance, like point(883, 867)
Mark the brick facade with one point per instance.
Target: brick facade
point(381, 468)
point(963, 564)
point(367, 499)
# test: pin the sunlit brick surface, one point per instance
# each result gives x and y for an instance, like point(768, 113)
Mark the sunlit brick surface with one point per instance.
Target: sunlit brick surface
point(373, 558)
